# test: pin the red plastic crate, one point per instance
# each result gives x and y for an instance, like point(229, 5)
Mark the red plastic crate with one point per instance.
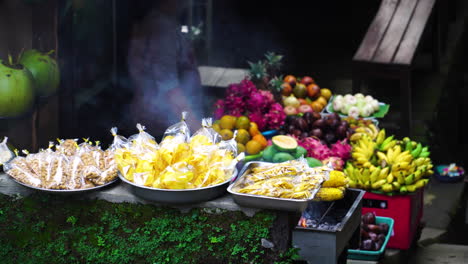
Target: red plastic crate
point(406, 211)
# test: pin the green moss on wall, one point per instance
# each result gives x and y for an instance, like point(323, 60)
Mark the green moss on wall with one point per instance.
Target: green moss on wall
point(60, 229)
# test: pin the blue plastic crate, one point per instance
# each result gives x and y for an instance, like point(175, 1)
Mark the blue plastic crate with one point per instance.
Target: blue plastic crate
point(373, 255)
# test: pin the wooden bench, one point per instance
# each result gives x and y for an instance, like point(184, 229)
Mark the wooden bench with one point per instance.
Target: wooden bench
point(389, 46)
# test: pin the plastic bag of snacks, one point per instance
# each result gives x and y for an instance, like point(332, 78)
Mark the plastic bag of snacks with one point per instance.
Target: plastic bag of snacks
point(291, 179)
point(71, 166)
point(180, 162)
point(5, 153)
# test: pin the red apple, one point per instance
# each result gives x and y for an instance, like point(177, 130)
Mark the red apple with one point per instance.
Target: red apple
point(290, 110)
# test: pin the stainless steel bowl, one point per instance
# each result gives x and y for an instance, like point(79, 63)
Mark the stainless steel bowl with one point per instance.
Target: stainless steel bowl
point(179, 196)
point(58, 191)
point(266, 202)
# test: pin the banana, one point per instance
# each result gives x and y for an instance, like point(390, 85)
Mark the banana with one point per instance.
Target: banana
point(396, 185)
point(403, 189)
point(387, 187)
point(409, 146)
point(401, 166)
point(374, 177)
point(352, 184)
point(421, 183)
point(380, 137)
point(409, 179)
point(376, 185)
point(384, 173)
point(388, 145)
point(390, 178)
point(419, 161)
point(400, 178)
point(382, 156)
point(356, 137)
point(405, 156)
point(375, 130)
point(390, 155)
point(429, 172)
point(411, 188)
point(385, 142)
point(415, 153)
point(366, 175)
point(425, 154)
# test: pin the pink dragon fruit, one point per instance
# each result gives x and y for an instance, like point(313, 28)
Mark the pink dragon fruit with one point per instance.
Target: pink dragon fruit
point(234, 103)
point(259, 119)
point(335, 162)
point(276, 116)
point(256, 102)
point(268, 96)
point(246, 88)
point(219, 109)
point(341, 149)
point(315, 148)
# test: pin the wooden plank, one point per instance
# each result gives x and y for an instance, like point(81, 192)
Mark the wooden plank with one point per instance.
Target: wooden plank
point(414, 33)
point(376, 30)
point(395, 32)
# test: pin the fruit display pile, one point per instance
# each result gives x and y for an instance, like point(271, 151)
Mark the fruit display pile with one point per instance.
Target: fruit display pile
point(388, 165)
point(372, 235)
point(179, 161)
point(356, 105)
point(247, 135)
point(301, 95)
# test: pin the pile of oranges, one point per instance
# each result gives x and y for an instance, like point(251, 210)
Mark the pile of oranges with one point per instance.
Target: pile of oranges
point(248, 137)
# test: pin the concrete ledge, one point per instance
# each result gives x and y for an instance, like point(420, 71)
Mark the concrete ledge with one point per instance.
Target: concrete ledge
point(220, 77)
point(120, 192)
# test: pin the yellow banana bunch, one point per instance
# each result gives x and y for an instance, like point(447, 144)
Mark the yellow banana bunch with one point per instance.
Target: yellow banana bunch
point(381, 162)
point(370, 130)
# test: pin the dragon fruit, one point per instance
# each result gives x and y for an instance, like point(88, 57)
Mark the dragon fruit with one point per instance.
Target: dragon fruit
point(315, 148)
point(256, 101)
point(219, 109)
point(276, 116)
point(341, 149)
point(259, 119)
point(234, 103)
point(335, 162)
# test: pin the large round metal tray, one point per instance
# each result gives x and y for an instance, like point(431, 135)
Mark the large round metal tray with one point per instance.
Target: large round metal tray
point(58, 191)
point(179, 196)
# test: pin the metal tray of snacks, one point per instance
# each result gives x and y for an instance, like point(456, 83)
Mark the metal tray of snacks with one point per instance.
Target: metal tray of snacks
point(178, 196)
point(266, 202)
point(65, 191)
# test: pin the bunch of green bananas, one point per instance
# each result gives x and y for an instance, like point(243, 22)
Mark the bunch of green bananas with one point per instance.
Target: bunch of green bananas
point(388, 165)
point(370, 130)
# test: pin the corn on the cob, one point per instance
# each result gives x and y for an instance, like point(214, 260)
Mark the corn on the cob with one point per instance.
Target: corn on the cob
point(329, 194)
point(337, 179)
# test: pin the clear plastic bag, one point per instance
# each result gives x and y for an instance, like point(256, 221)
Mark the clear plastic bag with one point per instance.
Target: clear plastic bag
point(206, 134)
point(143, 141)
point(179, 129)
point(5, 153)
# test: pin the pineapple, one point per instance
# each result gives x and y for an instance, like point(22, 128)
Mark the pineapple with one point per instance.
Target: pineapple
point(273, 63)
point(258, 74)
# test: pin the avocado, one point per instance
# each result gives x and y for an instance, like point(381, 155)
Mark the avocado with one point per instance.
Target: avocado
point(313, 162)
point(282, 157)
point(268, 153)
point(300, 151)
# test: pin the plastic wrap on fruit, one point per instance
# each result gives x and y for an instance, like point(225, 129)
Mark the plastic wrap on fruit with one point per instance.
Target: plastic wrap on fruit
point(143, 141)
point(5, 153)
point(179, 129)
point(177, 176)
point(67, 147)
point(119, 141)
point(205, 135)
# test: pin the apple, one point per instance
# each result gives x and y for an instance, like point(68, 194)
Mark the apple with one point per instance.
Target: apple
point(313, 90)
point(305, 108)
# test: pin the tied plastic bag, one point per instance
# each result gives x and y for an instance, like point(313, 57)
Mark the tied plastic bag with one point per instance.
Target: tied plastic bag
point(5, 153)
point(291, 179)
point(180, 129)
point(119, 141)
point(68, 147)
point(143, 141)
point(205, 135)
point(18, 168)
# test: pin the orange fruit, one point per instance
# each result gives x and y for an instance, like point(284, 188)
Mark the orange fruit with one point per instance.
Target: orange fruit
point(290, 79)
point(216, 128)
point(261, 139)
point(253, 147)
point(317, 106)
point(326, 93)
point(226, 134)
point(313, 90)
point(227, 122)
point(240, 148)
point(322, 100)
point(253, 130)
point(242, 136)
point(242, 122)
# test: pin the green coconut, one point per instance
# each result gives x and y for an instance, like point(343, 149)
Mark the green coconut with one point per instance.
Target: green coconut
point(44, 69)
point(17, 90)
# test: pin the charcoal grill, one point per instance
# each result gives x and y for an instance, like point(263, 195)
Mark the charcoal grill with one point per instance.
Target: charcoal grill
point(325, 229)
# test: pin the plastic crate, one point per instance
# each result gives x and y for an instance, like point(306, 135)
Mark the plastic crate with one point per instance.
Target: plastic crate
point(373, 255)
point(406, 211)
